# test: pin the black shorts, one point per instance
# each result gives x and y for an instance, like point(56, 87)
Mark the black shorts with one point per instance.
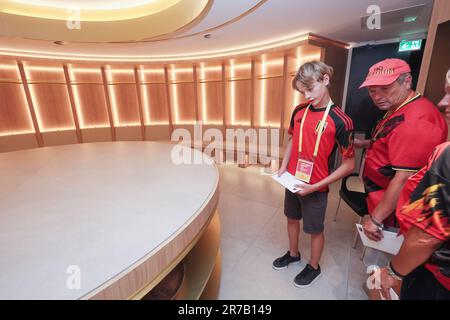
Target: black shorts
point(310, 208)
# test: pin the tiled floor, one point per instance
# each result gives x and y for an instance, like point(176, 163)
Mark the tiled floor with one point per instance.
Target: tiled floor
point(254, 234)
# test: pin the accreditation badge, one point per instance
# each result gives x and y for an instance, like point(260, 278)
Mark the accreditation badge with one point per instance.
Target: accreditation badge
point(304, 170)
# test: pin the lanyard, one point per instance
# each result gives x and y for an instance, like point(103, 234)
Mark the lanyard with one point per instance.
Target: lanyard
point(379, 128)
point(319, 135)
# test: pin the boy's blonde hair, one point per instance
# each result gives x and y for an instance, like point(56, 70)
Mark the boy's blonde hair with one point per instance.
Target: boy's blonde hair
point(448, 77)
point(310, 72)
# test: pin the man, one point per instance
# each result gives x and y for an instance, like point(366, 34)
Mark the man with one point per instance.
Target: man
point(422, 266)
point(401, 142)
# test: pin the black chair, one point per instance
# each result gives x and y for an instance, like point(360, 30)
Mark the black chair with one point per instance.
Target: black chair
point(355, 200)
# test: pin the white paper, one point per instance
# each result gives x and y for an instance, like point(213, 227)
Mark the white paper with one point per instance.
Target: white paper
point(390, 243)
point(288, 181)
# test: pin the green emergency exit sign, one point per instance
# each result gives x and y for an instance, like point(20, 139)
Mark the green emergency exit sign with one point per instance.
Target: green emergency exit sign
point(410, 45)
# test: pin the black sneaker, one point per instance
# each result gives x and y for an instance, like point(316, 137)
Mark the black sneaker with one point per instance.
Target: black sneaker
point(307, 277)
point(284, 261)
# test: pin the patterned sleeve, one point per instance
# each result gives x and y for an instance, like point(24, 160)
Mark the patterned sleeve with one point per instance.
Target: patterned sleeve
point(345, 135)
point(429, 205)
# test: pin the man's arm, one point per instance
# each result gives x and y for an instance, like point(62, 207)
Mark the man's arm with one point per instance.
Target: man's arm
point(360, 143)
point(387, 204)
point(415, 250)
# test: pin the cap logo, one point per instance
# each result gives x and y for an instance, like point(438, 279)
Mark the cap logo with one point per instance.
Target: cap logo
point(381, 71)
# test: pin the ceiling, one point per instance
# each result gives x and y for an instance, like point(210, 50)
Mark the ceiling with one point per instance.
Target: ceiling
point(232, 25)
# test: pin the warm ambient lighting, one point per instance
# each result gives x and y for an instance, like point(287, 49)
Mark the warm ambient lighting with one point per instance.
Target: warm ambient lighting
point(145, 96)
point(113, 98)
point(203, 90)
point(113, 10)
point(15, 133)
point(195, 56)
point(44, 69)
point(39, 119)
point(76, 96)
point(9, 67)
point(112, 95)
point(175, 96)
point(263, 93)
point(233, 68)
point(232, 93)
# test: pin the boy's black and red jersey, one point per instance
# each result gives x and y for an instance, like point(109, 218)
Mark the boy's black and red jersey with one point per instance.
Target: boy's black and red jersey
point(425, 203)
point(338, 132)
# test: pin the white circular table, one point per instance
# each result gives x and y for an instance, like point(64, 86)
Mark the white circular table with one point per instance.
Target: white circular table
point(98, 220)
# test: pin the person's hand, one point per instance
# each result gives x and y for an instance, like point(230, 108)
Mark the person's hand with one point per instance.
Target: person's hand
point(305, 189)
point(281, 170)
point(359, 143)
point(371, 231)
point(387, 283)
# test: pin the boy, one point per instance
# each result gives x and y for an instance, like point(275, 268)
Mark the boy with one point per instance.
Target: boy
point(316, 128)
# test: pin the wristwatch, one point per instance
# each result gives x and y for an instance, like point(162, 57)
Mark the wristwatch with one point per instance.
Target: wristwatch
point(378, 224)
point(394, 274)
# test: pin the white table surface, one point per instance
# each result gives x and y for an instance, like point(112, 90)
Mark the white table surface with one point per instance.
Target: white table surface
point(99, 206)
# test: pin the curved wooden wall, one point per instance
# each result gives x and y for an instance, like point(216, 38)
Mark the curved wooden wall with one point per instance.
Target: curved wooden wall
point(44, 103)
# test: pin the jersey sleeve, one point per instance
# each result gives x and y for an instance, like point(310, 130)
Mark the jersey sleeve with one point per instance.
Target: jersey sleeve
point(429, 204)
point(345, 137)
point(412, 143)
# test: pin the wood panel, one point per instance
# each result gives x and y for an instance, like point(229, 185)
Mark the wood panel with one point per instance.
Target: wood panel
point(120, 74)
point(52, 106)
point(441, 13)
point(269, 68)
point(211, 102)
point(85, 73)
point(239, 104)
point(124, 104)
point(15, 116)
point(181, 73)
point(209, 72)
point(167, 99)
point(440, 64)
point(183, 103)
point(151, 74)
point(269, 103)
point(239, 70)
point(44, 72)
point(9, 70)
point(155, 103)
point(91, 105)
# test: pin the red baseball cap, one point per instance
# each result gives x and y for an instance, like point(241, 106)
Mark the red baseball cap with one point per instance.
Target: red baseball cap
point(386, 72)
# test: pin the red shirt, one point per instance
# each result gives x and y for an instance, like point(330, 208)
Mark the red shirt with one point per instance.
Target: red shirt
point(405, 142)
point(425, 203)
point(338, 131)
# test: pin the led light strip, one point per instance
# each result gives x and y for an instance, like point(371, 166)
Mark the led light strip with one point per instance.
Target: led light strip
point(203, 89)
point(195, 56)
point(262, 106)
point(175, 96)
point(145, 96)
point(232, 93)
